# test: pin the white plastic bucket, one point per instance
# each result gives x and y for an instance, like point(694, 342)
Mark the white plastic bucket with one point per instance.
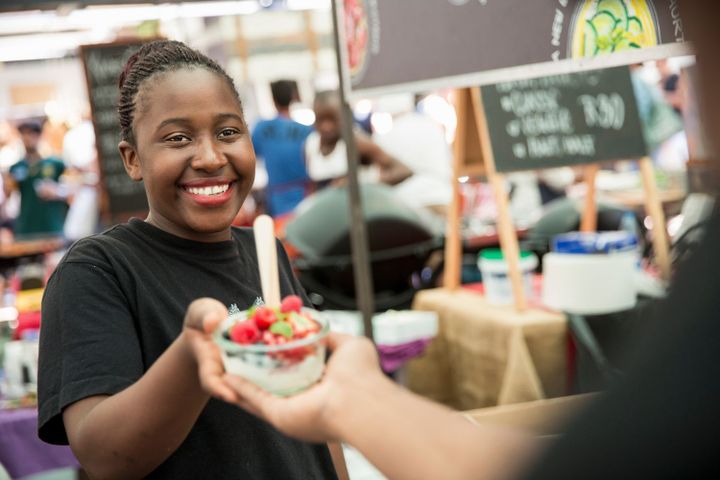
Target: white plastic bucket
point(590, 284)
point(494, 270)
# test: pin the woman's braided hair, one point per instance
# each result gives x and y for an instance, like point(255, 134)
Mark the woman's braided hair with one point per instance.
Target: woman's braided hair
point(152, 59)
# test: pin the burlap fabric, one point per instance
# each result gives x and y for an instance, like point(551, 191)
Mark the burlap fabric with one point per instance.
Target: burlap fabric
point(488, 355)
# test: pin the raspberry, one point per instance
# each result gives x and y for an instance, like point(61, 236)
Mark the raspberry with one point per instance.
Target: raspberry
point(264, 317)
point(291, 303)
point(245, 333)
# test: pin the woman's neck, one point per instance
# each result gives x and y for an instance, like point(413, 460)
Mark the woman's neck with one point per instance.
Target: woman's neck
point(167, 226)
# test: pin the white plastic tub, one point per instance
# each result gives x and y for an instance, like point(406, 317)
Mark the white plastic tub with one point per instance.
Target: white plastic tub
point(494, 269)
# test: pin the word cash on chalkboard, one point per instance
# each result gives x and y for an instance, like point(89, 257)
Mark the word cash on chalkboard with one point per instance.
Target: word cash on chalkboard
point(560, 120)
point(103, 64)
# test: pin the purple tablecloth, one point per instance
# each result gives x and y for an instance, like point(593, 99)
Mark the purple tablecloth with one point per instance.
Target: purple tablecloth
point(22, 453)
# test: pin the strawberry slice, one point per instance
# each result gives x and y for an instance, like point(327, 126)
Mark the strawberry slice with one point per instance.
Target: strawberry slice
point(268, 338)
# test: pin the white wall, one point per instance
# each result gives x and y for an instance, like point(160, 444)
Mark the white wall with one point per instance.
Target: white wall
point(65, 74)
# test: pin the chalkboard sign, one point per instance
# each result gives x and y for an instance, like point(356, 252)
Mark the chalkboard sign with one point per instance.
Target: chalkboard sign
point(103, 64)
point(577, 118)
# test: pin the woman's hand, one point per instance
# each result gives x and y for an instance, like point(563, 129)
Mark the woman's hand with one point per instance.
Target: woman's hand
point(312, 415)
point(201, 319)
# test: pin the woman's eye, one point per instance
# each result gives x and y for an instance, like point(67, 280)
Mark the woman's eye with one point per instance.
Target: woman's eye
point(228, 132)
point(177, 138)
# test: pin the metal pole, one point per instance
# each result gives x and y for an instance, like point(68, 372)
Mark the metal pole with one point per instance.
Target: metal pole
point(358, 231)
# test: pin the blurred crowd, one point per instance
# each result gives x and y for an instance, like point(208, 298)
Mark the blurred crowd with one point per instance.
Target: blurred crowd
point(409, 152)
point(51, 171)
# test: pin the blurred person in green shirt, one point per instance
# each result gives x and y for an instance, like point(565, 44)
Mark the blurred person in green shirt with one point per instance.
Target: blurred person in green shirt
point(43, 200)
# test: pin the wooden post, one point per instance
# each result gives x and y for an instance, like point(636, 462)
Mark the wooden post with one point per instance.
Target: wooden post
point(588, 222)
point(362, 271)
point(508, 238)
point(653, 206)
point(241, 47)
point(311, 39)
point(453, 240)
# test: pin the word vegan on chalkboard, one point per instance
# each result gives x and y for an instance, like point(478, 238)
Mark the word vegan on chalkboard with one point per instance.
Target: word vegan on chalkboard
point(103, 64)
point(561, 120)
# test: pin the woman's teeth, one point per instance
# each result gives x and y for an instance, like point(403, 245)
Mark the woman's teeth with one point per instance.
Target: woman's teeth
point(213, 190)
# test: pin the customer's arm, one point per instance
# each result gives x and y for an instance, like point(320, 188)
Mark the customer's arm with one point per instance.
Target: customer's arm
point(129, 434)
point(392, 170)
point(403, 435)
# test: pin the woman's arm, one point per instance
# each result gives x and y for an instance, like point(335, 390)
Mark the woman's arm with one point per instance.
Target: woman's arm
point(403, 435)
point(129, 434)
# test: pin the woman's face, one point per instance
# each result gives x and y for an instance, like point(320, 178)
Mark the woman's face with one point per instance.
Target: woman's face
point(327, 123)
point(193, 152)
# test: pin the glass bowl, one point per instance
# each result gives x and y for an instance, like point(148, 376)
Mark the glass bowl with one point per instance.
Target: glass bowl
point(280, 369)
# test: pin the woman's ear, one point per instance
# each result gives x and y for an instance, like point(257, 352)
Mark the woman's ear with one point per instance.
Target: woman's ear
point(130, 160)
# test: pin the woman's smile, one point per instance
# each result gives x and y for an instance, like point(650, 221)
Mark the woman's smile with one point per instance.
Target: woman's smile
point(209, 193)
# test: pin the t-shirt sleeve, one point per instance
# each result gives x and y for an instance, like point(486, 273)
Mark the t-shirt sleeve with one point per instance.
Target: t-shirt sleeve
point(13, 170)
point(60, 168)
point(88, 343)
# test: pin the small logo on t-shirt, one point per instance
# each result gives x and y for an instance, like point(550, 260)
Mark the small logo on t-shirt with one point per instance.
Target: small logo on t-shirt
point(234, 310)
point(48, 171)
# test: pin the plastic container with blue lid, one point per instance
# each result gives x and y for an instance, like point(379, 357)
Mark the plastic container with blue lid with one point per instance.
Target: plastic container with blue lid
point(594, 242)
point(591, 273)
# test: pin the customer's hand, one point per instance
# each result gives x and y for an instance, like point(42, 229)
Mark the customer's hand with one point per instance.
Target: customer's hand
point(311, 415)
point(203, 316)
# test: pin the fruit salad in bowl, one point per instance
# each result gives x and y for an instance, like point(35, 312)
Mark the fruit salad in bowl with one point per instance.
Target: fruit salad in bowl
point(282, 350)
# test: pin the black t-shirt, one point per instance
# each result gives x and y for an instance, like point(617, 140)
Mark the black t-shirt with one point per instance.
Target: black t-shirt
point(117, 301)
point(661, 419)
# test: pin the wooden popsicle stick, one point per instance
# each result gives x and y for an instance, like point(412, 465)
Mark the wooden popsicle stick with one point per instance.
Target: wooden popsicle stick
point(653, 206)
point(588, 223)
point(267, 259)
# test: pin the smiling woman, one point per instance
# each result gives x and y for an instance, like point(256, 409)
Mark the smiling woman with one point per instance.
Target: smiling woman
point(197, 163)
point(119, 363)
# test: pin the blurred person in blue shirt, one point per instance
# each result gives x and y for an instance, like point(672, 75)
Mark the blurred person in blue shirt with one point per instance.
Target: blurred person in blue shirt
point(279, 144)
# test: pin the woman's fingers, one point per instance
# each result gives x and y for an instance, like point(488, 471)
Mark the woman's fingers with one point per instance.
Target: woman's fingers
point(205, 314)
point(212, 320)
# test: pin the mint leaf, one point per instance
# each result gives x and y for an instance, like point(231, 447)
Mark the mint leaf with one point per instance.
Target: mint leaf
point(282, 328)
point(302, 322)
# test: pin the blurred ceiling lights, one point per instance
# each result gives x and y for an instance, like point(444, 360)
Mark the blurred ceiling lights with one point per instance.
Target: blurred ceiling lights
point(36, 34)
